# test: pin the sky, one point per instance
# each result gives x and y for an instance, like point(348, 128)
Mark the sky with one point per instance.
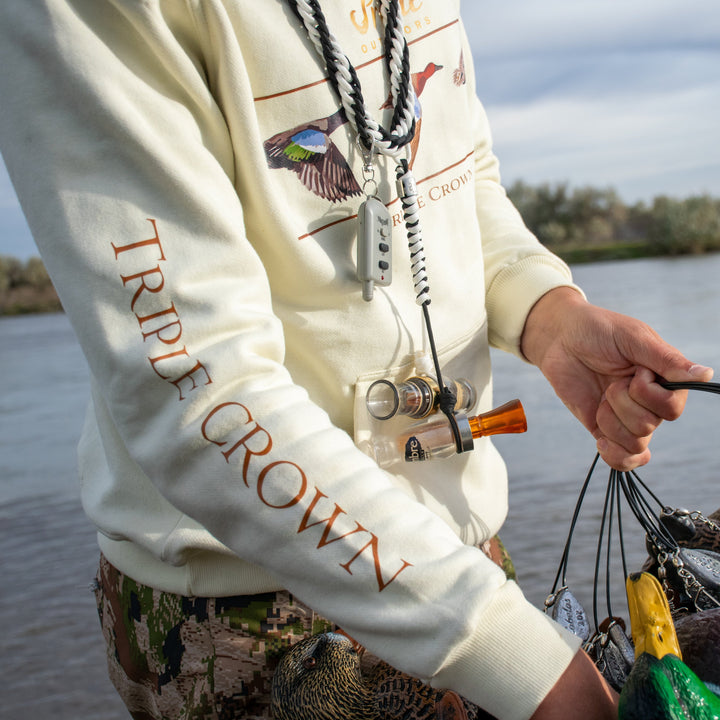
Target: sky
point(607, 93)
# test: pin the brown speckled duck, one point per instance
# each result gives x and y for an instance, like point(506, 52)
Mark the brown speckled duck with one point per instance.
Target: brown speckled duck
point(322, 678)
point(699, 638)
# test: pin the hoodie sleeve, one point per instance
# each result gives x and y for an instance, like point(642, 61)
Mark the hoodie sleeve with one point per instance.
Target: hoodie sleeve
point(125, 169)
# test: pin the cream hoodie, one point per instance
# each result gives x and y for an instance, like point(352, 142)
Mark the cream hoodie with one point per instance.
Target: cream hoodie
point(194, 202)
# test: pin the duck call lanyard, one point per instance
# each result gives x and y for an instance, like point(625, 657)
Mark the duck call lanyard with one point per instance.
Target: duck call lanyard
point(373, 138)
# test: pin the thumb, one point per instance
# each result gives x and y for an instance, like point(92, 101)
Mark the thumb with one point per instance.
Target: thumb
point(673, 366)
point(666, 361)
point(680, 369)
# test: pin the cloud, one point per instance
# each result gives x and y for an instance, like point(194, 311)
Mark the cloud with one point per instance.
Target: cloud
point(652, 144)
point(527, 27)
point(602, 93)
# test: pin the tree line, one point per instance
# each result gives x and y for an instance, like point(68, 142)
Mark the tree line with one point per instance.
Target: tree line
point(26, 287)
point(584, 224)
point(579, 224)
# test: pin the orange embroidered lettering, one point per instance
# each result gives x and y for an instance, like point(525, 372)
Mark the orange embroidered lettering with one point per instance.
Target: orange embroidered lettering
point(169, 331)
point(263, 476)
point(373, 544)
point(329, 521)
point(190, 375)
point(156, 315)
point(156, 271)
point(155, 360)
point(143, 243)
point(364, 24)
point(167, 340)
point(257, 430)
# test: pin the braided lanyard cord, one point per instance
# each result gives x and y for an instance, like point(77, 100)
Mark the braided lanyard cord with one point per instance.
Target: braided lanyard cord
point(375, 139)
point(344, 80)
point(407, 191)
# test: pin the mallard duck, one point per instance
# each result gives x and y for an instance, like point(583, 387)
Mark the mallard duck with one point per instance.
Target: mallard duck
point(666, 689)
point(419, 79)
point(308, 151)
point(322, 678)
point(660, 686)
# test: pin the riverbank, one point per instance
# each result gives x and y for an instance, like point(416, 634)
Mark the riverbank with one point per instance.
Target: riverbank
point(27, 298)
point(25, 287)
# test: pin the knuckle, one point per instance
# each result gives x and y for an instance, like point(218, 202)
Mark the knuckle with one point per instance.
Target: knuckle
point(675, 408)
point(646, 425)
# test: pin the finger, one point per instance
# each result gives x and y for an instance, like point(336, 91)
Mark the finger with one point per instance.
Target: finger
point(619, 458)
point(646, 392)
point(624, 420)
point(646, 349)
point(624, 443)
point(685, 370)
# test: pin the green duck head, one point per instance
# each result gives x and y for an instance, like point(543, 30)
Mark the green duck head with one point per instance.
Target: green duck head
point(666, 689)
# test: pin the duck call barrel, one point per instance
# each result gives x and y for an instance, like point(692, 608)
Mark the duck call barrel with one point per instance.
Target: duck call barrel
point(417, 397)
point(434, 439)
point(508, 418)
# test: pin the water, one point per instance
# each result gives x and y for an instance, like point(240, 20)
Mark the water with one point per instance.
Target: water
point(51, 651)
point(51, 654)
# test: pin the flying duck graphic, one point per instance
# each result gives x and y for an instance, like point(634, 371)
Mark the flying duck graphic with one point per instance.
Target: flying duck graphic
point(309, 152)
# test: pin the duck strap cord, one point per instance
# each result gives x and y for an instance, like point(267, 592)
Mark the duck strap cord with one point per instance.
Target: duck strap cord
point(642, 502)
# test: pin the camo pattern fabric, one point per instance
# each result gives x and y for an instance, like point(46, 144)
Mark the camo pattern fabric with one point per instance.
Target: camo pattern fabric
point(172, 657)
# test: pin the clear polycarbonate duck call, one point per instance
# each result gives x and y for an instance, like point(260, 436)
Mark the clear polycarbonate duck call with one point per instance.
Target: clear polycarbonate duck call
point(434, 439)
point(417, 397)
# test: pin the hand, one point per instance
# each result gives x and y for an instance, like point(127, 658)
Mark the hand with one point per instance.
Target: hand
point(581, 692)
point(604, 366)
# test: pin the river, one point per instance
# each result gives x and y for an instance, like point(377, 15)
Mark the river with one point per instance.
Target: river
point(51, 652)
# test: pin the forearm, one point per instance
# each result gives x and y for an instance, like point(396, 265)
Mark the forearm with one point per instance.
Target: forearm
point(581, 692)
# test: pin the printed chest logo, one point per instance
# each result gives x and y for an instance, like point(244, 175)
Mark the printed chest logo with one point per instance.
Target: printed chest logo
point(366, 17)
point(309, 152)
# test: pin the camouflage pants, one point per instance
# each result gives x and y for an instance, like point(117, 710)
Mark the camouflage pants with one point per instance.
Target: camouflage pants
point(172, 657)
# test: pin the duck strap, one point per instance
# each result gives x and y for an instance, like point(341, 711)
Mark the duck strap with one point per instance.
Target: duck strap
point(690, 575)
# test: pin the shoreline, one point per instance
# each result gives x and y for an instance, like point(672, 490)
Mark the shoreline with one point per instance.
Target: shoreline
point(26, 299)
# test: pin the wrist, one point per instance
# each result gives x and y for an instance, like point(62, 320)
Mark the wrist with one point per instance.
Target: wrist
point(545, 319)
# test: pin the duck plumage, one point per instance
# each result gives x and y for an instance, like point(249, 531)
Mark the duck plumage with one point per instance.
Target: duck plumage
point(322, 678)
